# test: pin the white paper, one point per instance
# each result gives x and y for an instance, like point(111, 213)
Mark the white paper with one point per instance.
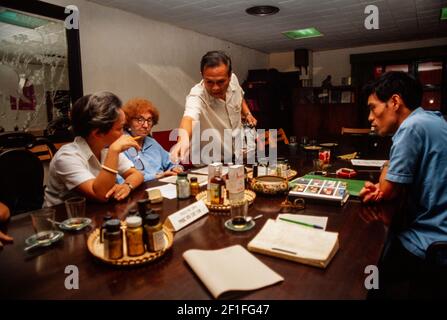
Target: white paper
point(315, 220)
point(202, 180)
point(231, 268)
point(204, 171)
point(168, 191)
point(367, 163)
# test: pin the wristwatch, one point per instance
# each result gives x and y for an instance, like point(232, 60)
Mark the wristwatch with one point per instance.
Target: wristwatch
point(131, 187)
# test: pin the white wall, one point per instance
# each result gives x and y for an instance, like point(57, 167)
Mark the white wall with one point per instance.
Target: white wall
point(133, 56)
point(336, 62)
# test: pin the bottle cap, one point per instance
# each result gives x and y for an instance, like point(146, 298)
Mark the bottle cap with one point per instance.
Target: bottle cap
point(193, 179)
point(152, 219)
point(182, 174)
point(133, 221)
point(113, 225)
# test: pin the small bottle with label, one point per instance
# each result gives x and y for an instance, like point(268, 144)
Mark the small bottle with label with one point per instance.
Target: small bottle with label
point(155, 240)
point(134, 236)
point(183, 188)
point(113, 240)
point(194, 185)
point(217, 188)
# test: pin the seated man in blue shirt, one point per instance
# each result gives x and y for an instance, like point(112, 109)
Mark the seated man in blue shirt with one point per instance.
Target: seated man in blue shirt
point(152, 160)
point(417, 166)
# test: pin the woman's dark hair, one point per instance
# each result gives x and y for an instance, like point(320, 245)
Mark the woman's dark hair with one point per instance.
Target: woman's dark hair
point(95, 111)
point(214, 59)
point(396, 82)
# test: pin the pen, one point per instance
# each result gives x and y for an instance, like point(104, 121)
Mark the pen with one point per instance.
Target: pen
point(302, 223)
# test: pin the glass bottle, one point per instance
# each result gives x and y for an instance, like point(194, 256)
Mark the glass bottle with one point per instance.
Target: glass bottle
point(134, 236)
point(106, 218)
point(195, 188)
point(142, 207)
point(217, 188)
point(113, 240)
point(183, 188)
point(155, 240)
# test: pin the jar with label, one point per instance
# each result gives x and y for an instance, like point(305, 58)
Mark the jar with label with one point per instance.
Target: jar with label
point(113, 240)
point(183, 188)
point(194, 185)
point(134, 236)
point(217, 188)
point(155, 239)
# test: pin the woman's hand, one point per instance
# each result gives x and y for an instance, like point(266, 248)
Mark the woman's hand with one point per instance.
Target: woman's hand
point(4, 238)
point(125, 142)
point(119, 191)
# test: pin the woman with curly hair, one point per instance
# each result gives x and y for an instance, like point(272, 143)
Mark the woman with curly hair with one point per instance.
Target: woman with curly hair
point(152, 160)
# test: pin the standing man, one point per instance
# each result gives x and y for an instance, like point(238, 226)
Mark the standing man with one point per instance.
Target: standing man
point(216, 102)
point(418, 166)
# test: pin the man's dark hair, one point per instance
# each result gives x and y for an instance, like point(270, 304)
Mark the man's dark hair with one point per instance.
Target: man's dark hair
point(396, 82)
point(95, 111)
point(215, 58)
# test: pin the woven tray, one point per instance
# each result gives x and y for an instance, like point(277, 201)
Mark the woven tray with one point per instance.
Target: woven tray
point(96, 248)
point(290, 174)
point(249, 196)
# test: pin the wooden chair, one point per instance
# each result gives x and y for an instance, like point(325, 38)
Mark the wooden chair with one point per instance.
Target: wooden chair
point(41, 146)
point(21, 180)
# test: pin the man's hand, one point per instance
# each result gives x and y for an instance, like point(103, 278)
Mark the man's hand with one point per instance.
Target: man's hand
point(180, 152)
point(371, 192)
point(250, 120)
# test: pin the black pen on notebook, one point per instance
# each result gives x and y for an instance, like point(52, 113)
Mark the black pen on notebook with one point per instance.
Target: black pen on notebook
point(302, 223)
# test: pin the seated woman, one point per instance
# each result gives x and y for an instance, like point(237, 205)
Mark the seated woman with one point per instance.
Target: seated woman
point(152, 159)
point(89, 165)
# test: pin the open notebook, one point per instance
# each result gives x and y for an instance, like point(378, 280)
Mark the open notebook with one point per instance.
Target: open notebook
point(230, 269)
point(295, 242)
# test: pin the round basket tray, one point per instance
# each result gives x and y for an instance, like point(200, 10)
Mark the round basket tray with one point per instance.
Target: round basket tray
point(290, 174)
point(248, 194)
point(96, 248)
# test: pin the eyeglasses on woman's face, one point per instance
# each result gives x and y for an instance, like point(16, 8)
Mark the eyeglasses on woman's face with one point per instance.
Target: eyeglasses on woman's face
point(136, 159)
point(142, 120)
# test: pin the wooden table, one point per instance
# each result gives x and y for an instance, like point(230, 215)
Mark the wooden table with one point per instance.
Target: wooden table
point(40, 274)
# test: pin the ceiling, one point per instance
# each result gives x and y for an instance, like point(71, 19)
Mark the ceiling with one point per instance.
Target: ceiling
point(341, 21)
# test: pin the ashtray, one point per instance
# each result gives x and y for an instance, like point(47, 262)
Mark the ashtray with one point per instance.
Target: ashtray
point(329, 144)
point(313, 148)
point(43, 239)
point(75, 224)
point(239, 227)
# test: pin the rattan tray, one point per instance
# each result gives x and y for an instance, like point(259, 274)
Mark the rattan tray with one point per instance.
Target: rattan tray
point(96, 248)
point(290, 174)
point(249, 196)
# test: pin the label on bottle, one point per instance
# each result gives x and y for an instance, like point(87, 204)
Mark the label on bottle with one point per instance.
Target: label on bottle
point(158, 240)
point(216, 193)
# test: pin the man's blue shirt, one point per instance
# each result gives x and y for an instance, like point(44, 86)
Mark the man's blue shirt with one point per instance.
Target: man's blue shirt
point(418, 159)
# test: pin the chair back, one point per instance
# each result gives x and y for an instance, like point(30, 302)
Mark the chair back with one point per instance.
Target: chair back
point(21, 180)
point(41, 146)
point(345, 130)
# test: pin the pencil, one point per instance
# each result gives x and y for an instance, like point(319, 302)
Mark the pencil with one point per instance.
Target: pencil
point(302, 223)
point(137, 138)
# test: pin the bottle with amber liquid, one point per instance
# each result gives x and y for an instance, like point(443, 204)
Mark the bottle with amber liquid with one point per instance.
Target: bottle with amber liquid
point(217, 188)
point(195, 187)
point(134, 236)
point(113, 240)
point(155, 240)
